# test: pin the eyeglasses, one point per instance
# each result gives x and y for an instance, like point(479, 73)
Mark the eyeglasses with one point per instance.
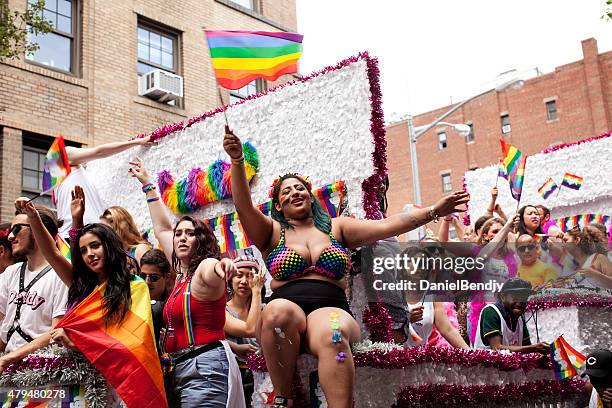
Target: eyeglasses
point(152, 278)
point(526, 248)
point(16, 229)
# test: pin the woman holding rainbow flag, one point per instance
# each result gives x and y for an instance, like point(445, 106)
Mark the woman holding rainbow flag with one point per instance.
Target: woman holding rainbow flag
point(309, 310)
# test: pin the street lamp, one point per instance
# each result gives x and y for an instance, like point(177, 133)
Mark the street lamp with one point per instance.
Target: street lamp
point(462, 129)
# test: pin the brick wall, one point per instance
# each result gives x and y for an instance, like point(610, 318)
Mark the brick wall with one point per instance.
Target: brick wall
point(101, 103)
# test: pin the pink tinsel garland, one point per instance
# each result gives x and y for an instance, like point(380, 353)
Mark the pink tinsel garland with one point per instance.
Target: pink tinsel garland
point(466, 216)
point(377, 320)
point(454, 395)
point(40, 362)
point(404, 358)
point(566, 145)
point(369, 186)
point(569, 300)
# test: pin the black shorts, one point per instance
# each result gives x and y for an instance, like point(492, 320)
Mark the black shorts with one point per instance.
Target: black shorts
point(312, 294)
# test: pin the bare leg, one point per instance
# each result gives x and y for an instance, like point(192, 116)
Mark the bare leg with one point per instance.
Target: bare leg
point(283, 324)
point(337, 378)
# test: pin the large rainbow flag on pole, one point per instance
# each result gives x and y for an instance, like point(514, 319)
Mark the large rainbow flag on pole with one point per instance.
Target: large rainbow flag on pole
point(124, 353)
point(57, 166)
point(566, 361)
point(515, 168)
point(240, 57)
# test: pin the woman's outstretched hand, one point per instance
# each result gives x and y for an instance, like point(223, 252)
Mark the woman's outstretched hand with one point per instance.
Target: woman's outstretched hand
point(451, 203)
point(232, 145)
point(77, 205)
point(139, 171)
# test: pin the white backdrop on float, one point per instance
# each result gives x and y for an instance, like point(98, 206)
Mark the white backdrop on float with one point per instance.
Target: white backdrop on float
point(319, 128)
point(590, 160)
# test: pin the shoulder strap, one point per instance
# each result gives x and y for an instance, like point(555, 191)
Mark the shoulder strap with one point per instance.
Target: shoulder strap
point(187, 313)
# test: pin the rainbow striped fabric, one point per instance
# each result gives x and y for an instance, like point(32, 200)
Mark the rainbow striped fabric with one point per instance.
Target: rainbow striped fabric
point(514, 161)
point(240, 57)
point(63, 247)
point(501, 170)
point(566, 361)
point(580, 220)
point(572, 181)
point(57, 166)
point(231, 236)
point(124, 353)
point(547, 188)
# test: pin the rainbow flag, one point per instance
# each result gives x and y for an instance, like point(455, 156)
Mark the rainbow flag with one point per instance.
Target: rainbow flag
point(514, 161)
point(580, 220)
point(566, 361)
point(124, 353)
point(240, 57)
point(572, 181)
point(547, 188)
point(63, 247)
point(501, 170)
point(57, 166)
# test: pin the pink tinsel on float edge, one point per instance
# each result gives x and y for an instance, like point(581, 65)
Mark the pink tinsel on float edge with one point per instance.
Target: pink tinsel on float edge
point(466, 216)
point(569, 300)
point(578, 142)
point(378, 322)
point(409, 357)
point(454, 395)
point(40, 362)
point(377, 126)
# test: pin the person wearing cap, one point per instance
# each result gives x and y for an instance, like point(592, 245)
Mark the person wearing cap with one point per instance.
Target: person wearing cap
point(6, 253)
point(502, 325)
point(242, 313)
point(599, 370)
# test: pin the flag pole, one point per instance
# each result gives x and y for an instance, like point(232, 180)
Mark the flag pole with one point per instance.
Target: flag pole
point(35, 197)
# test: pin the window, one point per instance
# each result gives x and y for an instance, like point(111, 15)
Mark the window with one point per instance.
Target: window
point(470, 137)
point(32, 164)
point(551, 110)
point(57, 49)
point(446, 183)
point(248, 4)
point(157, 49)
point(442, 141)
point(246, 91)
point(505, 123)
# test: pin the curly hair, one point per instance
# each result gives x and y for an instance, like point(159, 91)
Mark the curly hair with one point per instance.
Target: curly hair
point(592, 240)
point(117, 299)
point(320, 218)
point(206, 245)
point(122, 222)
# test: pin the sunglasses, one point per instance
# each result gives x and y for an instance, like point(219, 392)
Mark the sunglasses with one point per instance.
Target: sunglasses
point(526, 248)
point(16, 229)
point(152, 278)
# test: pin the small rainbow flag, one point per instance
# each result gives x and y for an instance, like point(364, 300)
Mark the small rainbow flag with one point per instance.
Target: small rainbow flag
point(240, 57)
point(515, 168)
point(124, 353)
point(57, 166)
point(501, 170)
point(566, 361)
point(547, 188)
point(63, 247)
point(572, 181)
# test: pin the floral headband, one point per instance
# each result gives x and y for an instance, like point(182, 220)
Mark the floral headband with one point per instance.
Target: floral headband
point(277, 181)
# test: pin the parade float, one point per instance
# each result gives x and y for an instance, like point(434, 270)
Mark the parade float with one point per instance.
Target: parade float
point(329, 126)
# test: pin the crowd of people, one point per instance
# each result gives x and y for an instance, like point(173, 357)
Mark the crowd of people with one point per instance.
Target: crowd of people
point(209, 312)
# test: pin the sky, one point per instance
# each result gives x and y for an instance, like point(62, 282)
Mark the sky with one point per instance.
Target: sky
point(434, 52)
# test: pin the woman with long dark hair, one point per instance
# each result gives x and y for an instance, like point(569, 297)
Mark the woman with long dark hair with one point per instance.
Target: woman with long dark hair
point(529, 222)
point(306, 254)
point(194, 346)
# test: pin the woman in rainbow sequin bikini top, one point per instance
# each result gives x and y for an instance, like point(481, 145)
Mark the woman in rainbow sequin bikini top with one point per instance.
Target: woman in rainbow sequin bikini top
point(306, 254)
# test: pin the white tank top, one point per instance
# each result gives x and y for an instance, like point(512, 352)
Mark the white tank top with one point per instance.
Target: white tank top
point(588, 282)
point(509, 337)
point(424, 326)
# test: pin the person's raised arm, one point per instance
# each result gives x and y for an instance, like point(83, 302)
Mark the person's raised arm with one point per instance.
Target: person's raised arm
point(491, 207)
point(159, 215)
point(499, 238)
point(238, 328)
point(356, 232)
point(443, 231)
point(257, 226)
point(446, 329)
point(45, 242)
point(81, 155)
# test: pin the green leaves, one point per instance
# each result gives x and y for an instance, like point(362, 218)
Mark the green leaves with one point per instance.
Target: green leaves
point(15, 26)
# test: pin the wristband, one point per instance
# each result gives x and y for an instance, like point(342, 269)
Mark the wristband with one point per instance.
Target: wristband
point(433, 215)
point(147, 187)
point(240, 160)
point(152, 199)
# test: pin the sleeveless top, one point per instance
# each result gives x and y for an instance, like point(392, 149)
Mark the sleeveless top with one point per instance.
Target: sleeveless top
point(286, 264)
point(509, 337)
point(207, 319)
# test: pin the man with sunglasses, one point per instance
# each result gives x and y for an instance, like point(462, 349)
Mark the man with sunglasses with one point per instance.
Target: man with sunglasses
point(32, 297)
point(531, 268)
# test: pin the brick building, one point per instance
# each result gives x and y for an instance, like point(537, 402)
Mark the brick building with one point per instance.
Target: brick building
point(83, 83)
point(571, 103)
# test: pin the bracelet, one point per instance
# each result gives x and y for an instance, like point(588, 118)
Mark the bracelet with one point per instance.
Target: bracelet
point(147, 187)
point(152, 199)
point(239, 160)
point(433, 215)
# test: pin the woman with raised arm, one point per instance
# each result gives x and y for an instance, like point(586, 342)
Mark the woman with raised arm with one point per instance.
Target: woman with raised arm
point(205, 372)
point(305, 252)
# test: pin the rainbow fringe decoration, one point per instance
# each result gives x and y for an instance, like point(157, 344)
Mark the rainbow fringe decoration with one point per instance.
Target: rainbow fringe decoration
point(567, 223)
point(202, 187)
point(231, 236)
point(566, 361)
point(572, 181)
point(547, 188)
point(514, 162)
point(63, 247)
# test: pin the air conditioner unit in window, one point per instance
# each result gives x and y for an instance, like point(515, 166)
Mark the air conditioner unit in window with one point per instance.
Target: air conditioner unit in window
point(506, 129)
point(160, 85)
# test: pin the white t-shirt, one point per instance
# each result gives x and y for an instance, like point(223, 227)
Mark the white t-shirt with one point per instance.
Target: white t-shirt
point(94, 205)
point(45, 300)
